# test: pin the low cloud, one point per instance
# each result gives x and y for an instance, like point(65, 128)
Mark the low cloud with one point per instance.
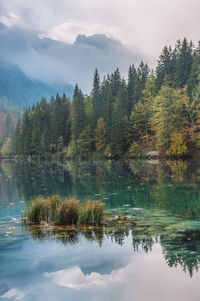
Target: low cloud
point(147, 25)
point(10, 19)
point(58, 62)
point(68, 31)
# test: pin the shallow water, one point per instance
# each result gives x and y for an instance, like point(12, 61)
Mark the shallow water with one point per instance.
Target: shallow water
point(157, 258)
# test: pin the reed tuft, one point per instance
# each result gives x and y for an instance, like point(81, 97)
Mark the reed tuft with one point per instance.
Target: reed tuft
point(68, 212)
point(65, 212)
point(91, 213)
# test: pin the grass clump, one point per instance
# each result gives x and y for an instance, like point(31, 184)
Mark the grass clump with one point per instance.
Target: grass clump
point(54, 202)
point(68, 212)
point(91, 213)
point(43, 209)
point(39, 210)
point(65, 212)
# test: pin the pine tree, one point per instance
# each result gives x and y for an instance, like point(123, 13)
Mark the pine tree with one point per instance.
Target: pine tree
point(142, 77)
point(122, 99)
point(79, 119)
point(183, 63)
point(132, 86)
point(8, 125)
point(86, 142)
point(96, 98)
point(118, 131)
point(193, 79)
point(107, 100)
point(166, 67)
point(26, 133)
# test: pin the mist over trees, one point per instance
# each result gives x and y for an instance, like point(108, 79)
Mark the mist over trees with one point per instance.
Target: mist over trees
point(149, 111)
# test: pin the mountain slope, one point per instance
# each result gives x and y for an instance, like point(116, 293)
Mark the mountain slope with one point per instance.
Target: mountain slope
point(22, 91)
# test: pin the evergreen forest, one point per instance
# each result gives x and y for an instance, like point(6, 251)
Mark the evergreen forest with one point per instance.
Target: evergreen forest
point(150, 111)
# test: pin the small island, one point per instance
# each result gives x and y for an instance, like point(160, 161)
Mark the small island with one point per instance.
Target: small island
point(54, 211)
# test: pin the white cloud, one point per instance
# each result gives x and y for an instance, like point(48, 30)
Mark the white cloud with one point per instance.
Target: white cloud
point(68, 31)
point(15, 294)
point(145, 277)
point(74, 278)
point(10, 19)
point(148, 25)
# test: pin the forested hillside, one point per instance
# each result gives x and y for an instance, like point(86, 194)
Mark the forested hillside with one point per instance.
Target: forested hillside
point(151, 110)
point(9, 116)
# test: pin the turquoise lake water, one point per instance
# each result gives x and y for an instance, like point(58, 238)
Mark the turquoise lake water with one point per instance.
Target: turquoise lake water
point(156, 259)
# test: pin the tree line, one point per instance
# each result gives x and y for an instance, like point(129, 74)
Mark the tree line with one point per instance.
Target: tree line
point(151, 110)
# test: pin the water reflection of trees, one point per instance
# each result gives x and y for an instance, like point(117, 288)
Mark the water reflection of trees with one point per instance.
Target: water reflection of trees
point(42, 179)
point(171, 185)
point(8, 190)
point(67, 237)
point(166, 186)
point(180, 249)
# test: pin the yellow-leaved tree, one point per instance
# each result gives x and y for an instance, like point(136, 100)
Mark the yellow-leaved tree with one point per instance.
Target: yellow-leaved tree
point(100, 135)
point(171, 120)
point(7, 149)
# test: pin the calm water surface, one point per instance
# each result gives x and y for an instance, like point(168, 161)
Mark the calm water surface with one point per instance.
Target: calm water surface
point(155, 259)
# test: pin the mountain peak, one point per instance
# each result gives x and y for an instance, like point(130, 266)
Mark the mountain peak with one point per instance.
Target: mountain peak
point(100, 41)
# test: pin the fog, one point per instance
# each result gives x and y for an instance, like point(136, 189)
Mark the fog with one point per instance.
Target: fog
point(59, 62)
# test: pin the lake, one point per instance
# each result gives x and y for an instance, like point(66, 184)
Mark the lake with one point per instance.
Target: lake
point(156, 259)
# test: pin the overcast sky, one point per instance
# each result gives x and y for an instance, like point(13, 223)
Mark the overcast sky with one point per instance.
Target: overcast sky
point(143, 26)
point(146, 25)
